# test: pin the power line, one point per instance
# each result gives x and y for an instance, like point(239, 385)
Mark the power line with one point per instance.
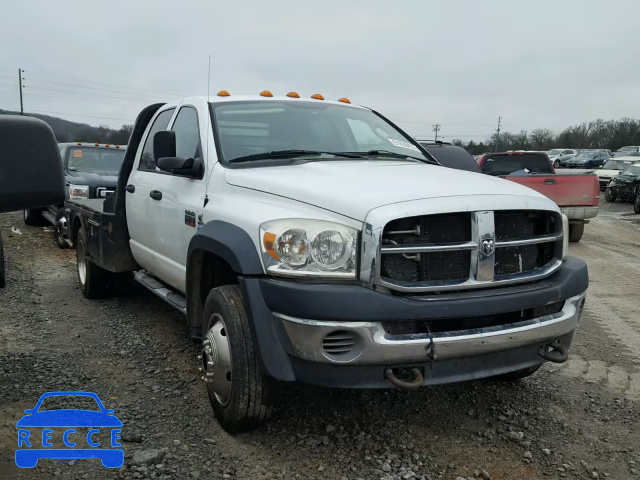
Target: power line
point(76, 93)
point(106, 84)
point(98, 88)
point(137, 102)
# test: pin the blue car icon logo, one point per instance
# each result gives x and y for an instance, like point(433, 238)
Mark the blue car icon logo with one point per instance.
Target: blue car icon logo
point(38, 430)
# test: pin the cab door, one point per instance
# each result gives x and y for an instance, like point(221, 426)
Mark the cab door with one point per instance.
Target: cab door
point(177, 202)
point(138, 200)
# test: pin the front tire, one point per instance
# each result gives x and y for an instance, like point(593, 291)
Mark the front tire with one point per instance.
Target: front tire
point(576, 230)
point(608, 196)
point(236, 384)
point(636, 204)
point(32, 217)
point(556, 164)
point(95, 282)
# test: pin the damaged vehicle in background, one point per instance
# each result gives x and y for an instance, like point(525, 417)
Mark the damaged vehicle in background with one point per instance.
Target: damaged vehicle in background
point(624, 186)
point(612, 168)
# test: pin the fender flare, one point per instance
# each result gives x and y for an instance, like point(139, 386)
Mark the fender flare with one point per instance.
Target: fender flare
point(229, 243)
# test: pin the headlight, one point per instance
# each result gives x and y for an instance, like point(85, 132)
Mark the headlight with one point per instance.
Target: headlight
point(78, 191)
point(565, 235)
point(300, 247)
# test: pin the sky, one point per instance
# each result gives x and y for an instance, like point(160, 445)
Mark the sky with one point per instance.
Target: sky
point(459, 63)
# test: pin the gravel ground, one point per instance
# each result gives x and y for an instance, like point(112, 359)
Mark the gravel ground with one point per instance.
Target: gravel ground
point(578, 420)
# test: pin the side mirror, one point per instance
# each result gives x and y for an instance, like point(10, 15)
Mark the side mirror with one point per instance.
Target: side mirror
point(188, 167)
point(164, 145)
point(31, 173)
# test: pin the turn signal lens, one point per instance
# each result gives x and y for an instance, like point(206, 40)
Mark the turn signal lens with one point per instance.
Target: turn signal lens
point(293, 95)
point(317, 96)
point(268, 240)
point(344, 100)
point(266, 93)
point(223, 93)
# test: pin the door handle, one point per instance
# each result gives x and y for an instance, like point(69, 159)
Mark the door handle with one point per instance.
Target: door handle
point(155, 194)
point(550, 181)
point(130, 188)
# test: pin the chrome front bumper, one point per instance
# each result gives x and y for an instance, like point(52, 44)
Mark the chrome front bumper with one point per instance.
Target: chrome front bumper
point(373, 346)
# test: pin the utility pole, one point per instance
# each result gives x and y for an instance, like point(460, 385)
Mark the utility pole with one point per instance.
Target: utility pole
point(436, 128)
point(498, 133)
point(20, 83)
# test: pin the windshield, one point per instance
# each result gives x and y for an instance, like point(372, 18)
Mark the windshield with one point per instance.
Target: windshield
point(616, 165)
point(626, 153)
point(254, 128)
point(505, 164)
point(627, 149)
point(632, 171)
point(95, 160)
point(584, 155)
point(553, 152)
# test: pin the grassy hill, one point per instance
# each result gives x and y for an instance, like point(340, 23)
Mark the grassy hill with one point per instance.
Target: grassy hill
point(68, 131)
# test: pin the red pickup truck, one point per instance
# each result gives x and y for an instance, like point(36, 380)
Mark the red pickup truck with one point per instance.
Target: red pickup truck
point(577, 195)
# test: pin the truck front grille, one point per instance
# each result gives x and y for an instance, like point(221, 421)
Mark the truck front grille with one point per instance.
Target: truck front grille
point(469, 248)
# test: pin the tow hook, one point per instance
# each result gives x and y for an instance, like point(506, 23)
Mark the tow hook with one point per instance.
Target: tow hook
point(554, 352)
point(403, 384)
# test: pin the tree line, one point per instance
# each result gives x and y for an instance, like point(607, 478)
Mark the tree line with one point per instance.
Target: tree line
point(68, 131)
point(611, 134)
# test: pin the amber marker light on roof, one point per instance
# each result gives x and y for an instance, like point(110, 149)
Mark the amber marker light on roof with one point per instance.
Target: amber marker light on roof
point(344, 100)
point(223, 93)
point(293, 95)
point(317, 96)
point(266, 93)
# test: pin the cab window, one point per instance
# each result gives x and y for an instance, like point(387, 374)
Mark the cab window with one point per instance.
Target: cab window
point(147, 163)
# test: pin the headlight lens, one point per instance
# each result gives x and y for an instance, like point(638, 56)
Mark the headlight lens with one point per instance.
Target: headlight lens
point(78, 191)
point(565, 235)
point(301, 247)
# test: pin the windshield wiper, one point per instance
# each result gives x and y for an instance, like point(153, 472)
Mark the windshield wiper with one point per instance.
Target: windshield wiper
point(387, 153)
point(290, 154)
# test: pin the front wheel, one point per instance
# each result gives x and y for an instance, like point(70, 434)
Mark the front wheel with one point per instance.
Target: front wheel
point(636, 204)
point(95, 282)
point(576, 230)
point(609, 196)
point(235, 382)
point(556, 164)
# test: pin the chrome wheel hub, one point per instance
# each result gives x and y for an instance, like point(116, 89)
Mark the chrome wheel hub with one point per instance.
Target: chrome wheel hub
point(216, 360)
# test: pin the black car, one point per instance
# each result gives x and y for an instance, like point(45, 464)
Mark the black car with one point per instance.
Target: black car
point(451, 156)
point(588, 159)
point(624, 186)
point(91, 171)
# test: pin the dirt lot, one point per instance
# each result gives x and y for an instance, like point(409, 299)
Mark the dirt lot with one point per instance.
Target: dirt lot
point(579, 420)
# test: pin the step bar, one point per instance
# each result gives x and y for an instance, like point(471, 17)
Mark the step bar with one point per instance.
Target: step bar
point(173, 298)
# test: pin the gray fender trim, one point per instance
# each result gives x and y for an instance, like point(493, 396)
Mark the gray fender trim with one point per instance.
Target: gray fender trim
point(235, 247)
point(230, 243)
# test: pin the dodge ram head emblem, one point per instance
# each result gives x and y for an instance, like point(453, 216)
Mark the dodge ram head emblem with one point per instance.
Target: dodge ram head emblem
point(488, 246)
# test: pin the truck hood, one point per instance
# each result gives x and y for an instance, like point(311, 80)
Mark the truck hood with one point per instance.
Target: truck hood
point(92, 179)
point(353, 188)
